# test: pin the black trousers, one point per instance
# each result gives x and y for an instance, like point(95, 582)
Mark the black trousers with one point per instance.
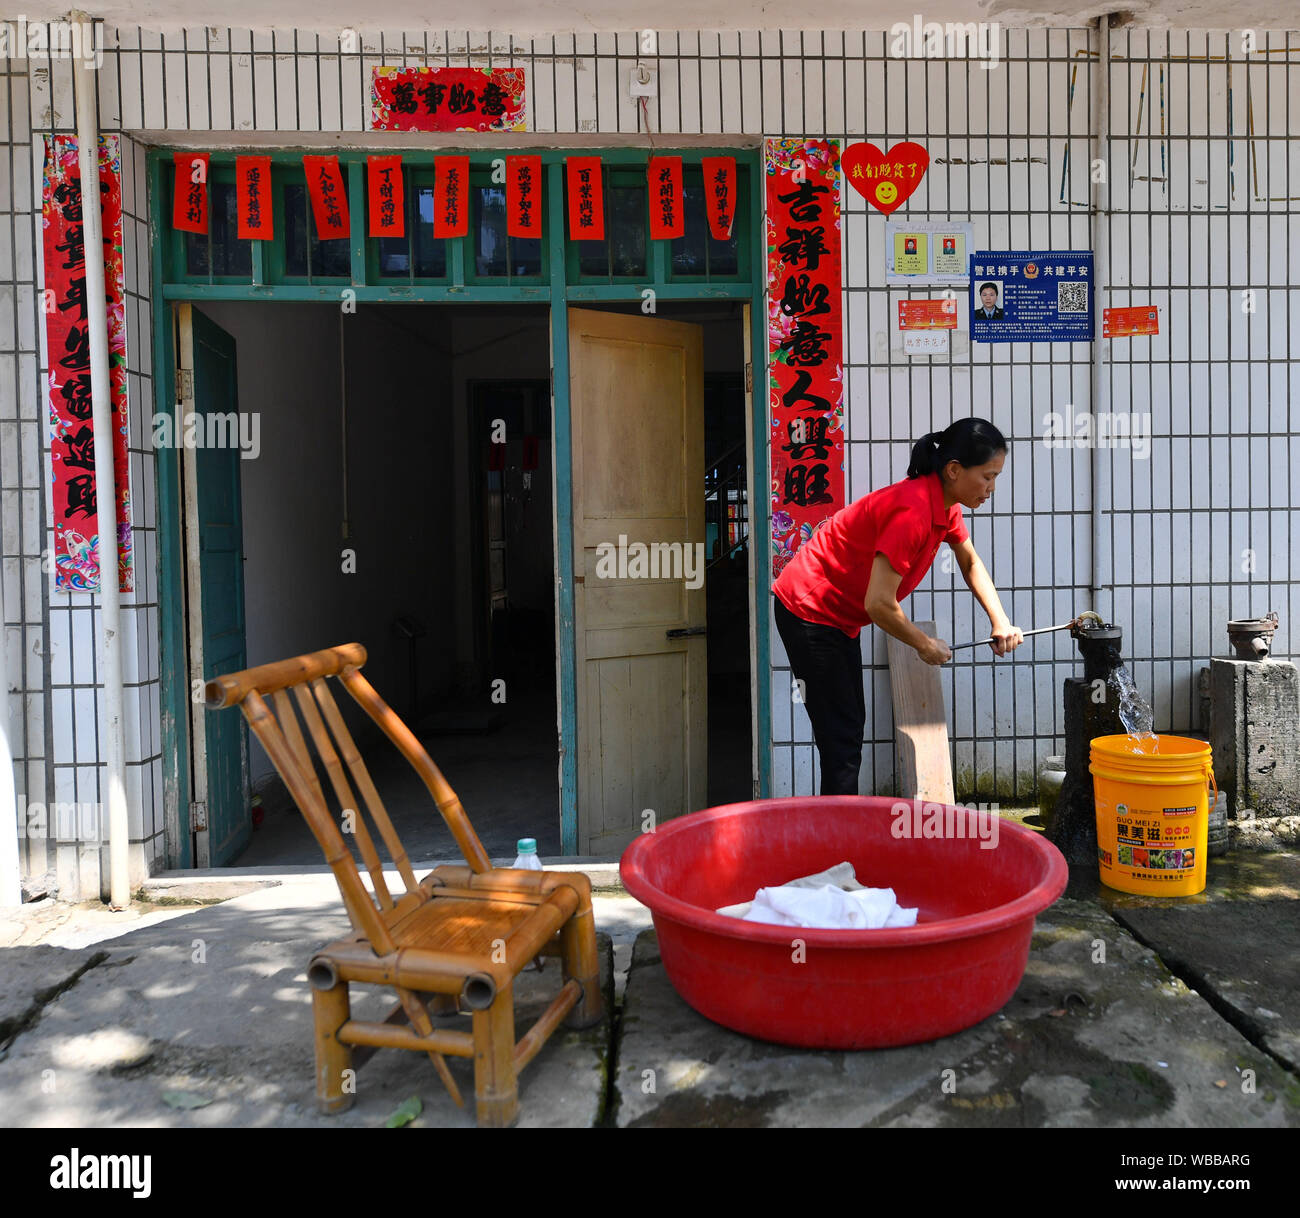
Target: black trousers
point(828, 664)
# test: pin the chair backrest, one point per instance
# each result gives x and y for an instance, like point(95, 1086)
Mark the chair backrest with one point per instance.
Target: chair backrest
point(277, 726)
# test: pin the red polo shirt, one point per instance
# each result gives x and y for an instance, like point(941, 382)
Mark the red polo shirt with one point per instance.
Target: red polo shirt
point(826, 581)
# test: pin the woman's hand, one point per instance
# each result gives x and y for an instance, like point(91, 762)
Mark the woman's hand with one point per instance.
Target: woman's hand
point(934, 651)
point(1006, 637)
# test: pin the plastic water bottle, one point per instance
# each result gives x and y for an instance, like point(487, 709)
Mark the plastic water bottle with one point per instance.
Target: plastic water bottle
point(527, 856)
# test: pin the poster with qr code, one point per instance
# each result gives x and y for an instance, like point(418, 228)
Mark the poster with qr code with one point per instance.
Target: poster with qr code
point(1031, 296)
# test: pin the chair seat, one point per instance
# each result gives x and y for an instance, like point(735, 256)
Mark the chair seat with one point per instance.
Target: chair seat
point(466, 927)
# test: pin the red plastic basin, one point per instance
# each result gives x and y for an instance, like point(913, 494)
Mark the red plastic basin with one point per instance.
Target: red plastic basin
point(852, 989)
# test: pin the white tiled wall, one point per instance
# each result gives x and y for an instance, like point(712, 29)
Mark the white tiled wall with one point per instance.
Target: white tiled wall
point(1203, 191)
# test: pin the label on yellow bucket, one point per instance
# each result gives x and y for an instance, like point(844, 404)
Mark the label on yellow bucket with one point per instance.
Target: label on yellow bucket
point(1154, 841)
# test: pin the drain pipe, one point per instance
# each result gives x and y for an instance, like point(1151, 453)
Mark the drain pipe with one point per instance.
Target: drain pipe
point(10, 882)
point(1099, 389)
point(110, 641)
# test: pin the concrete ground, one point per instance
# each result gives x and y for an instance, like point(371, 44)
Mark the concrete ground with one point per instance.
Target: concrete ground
point(182, 1014)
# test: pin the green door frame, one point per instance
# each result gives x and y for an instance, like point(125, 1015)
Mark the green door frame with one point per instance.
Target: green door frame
point(560, 294)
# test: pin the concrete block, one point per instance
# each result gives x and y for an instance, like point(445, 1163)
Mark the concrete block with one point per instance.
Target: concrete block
point(1255, 735)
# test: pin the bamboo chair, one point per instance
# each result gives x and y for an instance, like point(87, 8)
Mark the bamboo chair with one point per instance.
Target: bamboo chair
point(459, 935)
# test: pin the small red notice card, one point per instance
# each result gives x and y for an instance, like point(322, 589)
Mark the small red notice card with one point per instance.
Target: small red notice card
point(927, 314)
point(1136, 319)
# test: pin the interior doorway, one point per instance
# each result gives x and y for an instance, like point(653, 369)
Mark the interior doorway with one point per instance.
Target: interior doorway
point(664, 657)
point(377, 509)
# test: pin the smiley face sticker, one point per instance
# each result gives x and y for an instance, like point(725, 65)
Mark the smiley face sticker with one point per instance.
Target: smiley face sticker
point(886, 181)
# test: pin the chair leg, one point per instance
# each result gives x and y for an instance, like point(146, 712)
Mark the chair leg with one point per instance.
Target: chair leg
point(496, 1085)
point(581, 964)
point(331, 1009)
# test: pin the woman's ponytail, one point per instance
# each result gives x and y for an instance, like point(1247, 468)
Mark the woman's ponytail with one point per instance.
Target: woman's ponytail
point(925, 454)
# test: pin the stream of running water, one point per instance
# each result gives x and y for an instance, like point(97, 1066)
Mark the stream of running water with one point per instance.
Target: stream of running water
point(1134, 713)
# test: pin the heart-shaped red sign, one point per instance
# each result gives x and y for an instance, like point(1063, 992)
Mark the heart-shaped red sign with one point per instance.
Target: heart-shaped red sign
point(885, 182)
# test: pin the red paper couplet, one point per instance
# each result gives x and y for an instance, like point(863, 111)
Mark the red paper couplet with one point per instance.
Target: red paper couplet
point(190, 198)
point(387, 200)
point(450, 196)
point(329, 198)
point(523, 196)
point(496, 458)
point(667, 214)
point(805, 328)
point(81, 521)
point(586, 198)
point(720, 194)
point(253, 198)
point(885, 181)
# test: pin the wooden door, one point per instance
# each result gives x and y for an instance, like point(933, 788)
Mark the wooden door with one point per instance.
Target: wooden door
point(220, 815)
point(637, 403)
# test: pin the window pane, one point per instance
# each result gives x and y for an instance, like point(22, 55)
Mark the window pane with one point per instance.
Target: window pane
point(332, 258)
point(430, 251)
point(230, 255)
point(196, 254)
point(490, 253)
point(525, 256)
point(395, 257)
point(593, 256)
point(724, 256)
point(626, 224)
point(689, 257)
point(295, 230)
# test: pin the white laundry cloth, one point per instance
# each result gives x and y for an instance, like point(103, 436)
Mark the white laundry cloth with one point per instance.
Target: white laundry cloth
point(813, 902)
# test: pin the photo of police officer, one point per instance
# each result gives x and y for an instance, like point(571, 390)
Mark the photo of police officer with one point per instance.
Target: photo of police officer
point(987, 307)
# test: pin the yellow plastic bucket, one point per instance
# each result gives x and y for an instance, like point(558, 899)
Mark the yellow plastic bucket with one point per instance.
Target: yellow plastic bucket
point(1153, 813)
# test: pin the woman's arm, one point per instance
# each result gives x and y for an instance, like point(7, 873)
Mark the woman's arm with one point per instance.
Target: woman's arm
point(1006, 637)
point(882, 604)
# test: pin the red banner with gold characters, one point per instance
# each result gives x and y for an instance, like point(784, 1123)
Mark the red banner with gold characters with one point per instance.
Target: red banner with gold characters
point(387, 200)
point(329, 197)
point(586, 198)
point(720, 194)
point(253, 198)
point(447, 99)
point(667, 213)
point(805, 339)
point(523, 196)
point(190, 197)
point(450, 196)
point(67, 345)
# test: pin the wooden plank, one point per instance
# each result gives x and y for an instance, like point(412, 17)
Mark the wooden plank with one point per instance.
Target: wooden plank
point(920, 723)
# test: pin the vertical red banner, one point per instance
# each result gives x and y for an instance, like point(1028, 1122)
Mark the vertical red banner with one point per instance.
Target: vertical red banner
point(667, 214)
point(523, 196)
point(387, 199)
point(329, 197)
point(586, 198)
point(805, 340)
point(253, 198)
point(77, 527)
point(450, 196)
point(720, 194)
point(190, 197)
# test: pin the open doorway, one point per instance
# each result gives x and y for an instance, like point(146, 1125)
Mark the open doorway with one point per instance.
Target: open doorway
point(627, 480)
point(378, 510)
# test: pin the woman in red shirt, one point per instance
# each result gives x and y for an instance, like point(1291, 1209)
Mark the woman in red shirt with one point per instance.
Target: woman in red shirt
point(866, 558)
